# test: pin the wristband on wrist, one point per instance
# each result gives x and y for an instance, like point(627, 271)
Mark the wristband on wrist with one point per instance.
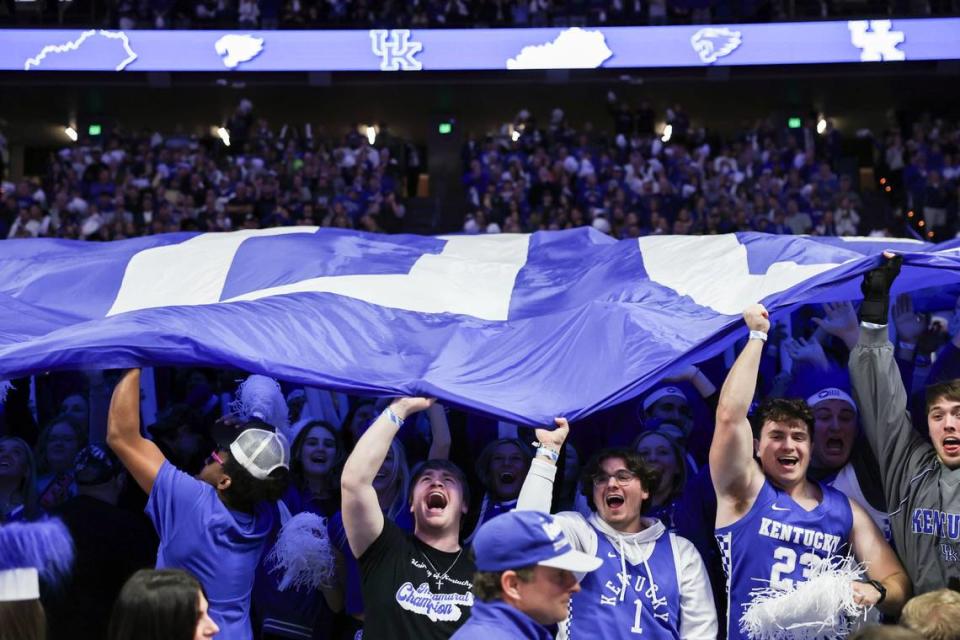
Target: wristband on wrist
point(546, 452)
point(394, 418)
point(758, 335)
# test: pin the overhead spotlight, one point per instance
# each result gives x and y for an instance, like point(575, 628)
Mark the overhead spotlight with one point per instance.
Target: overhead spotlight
point(371, 134)
point(883, 181)
point(929, 234)
point(887, 189)
point(71, 133)
point(921, 224)
point(224, 136)
point(667, 133)
point(515, 135)
point(821, 126)
point(909, 214)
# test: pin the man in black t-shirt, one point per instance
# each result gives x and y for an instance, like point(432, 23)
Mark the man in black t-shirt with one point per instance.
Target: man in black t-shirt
point(414, 586)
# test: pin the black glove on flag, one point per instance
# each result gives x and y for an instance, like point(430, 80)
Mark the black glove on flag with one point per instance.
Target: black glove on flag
point(876, 291)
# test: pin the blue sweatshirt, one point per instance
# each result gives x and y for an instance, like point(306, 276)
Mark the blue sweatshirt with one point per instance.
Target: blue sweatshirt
point(498, 619)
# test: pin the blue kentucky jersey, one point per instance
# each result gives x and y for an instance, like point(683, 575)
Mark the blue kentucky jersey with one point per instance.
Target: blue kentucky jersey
point(648, 604)
point(777, 544)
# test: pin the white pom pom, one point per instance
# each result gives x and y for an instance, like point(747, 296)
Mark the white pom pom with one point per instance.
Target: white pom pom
point(303, 553)
point(260, 397)
point(822, 608)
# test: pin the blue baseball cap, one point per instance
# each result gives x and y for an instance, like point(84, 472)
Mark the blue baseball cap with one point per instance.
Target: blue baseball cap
point(523, 538)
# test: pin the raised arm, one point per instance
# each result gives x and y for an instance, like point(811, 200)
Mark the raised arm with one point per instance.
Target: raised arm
point(439, 432)
point(870, 547)
point(537, 491)
point(362, 517)
point(880, 393)
point(697, 379)
point(140, 456)
point(736, 476)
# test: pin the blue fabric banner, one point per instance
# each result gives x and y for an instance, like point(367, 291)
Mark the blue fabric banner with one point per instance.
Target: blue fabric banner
point(521, 327)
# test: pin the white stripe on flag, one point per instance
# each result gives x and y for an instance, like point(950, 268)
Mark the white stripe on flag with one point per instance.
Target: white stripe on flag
point(473, 275)
point(190, 273)
point(714, 272)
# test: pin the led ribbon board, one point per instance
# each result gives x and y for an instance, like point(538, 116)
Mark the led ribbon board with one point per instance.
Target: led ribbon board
point(481, 49)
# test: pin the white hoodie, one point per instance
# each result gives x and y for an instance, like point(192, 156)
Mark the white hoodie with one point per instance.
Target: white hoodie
point(698, 617)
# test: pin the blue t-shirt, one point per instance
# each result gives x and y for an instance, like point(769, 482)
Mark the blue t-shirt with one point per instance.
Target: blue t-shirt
point(220, 547)
point(778, 542)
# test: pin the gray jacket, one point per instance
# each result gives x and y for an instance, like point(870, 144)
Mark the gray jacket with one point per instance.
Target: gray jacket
point(923, 495)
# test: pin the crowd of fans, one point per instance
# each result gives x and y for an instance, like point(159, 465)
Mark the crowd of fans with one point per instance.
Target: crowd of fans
point(647, 173)
point(142, 183)
point(651, 176)
point(306, 14)
point(53, 463)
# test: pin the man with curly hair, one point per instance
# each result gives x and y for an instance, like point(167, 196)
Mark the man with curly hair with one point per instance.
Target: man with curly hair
point(651, 581)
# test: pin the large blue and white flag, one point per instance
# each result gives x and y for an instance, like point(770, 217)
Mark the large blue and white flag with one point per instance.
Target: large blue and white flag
point(521, 327)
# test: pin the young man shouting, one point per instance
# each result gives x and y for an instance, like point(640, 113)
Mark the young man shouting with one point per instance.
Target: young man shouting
point(652, 582)
point(414, 585)
point(773, 524)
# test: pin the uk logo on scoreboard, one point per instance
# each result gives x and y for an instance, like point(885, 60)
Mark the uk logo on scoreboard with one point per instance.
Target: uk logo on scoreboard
point(396, 50)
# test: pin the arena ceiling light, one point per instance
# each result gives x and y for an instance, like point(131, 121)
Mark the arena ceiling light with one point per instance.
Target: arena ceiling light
point(71, 133)
point(822, 125)
point(667, 133)
point(224, 136)
point(371, 134)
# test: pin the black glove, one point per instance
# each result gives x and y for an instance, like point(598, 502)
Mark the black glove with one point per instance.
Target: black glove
point(876, 291)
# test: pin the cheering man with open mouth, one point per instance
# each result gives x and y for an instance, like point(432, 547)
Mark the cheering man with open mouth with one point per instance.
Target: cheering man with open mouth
point(651, 581)
point(775, 527)
point(414, 586)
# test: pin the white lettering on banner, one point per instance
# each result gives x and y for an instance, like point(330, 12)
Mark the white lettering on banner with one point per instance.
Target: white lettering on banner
point(472, 275)
point(714, 272)
point(395, 49)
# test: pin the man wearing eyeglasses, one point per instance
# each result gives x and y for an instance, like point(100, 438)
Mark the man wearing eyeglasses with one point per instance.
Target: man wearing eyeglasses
point(652, 582)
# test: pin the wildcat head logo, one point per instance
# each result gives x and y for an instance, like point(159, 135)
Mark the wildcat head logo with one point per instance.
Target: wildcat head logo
point(712, 43)
point(235, 49)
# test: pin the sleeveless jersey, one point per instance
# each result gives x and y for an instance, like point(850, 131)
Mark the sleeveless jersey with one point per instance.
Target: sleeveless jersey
point(778, 542)
point(649, 604)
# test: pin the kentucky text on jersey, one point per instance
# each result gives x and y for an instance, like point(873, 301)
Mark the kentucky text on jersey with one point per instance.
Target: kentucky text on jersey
point(436, 606)
point(799, 535)
point(640, 583)
point(938, 523)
